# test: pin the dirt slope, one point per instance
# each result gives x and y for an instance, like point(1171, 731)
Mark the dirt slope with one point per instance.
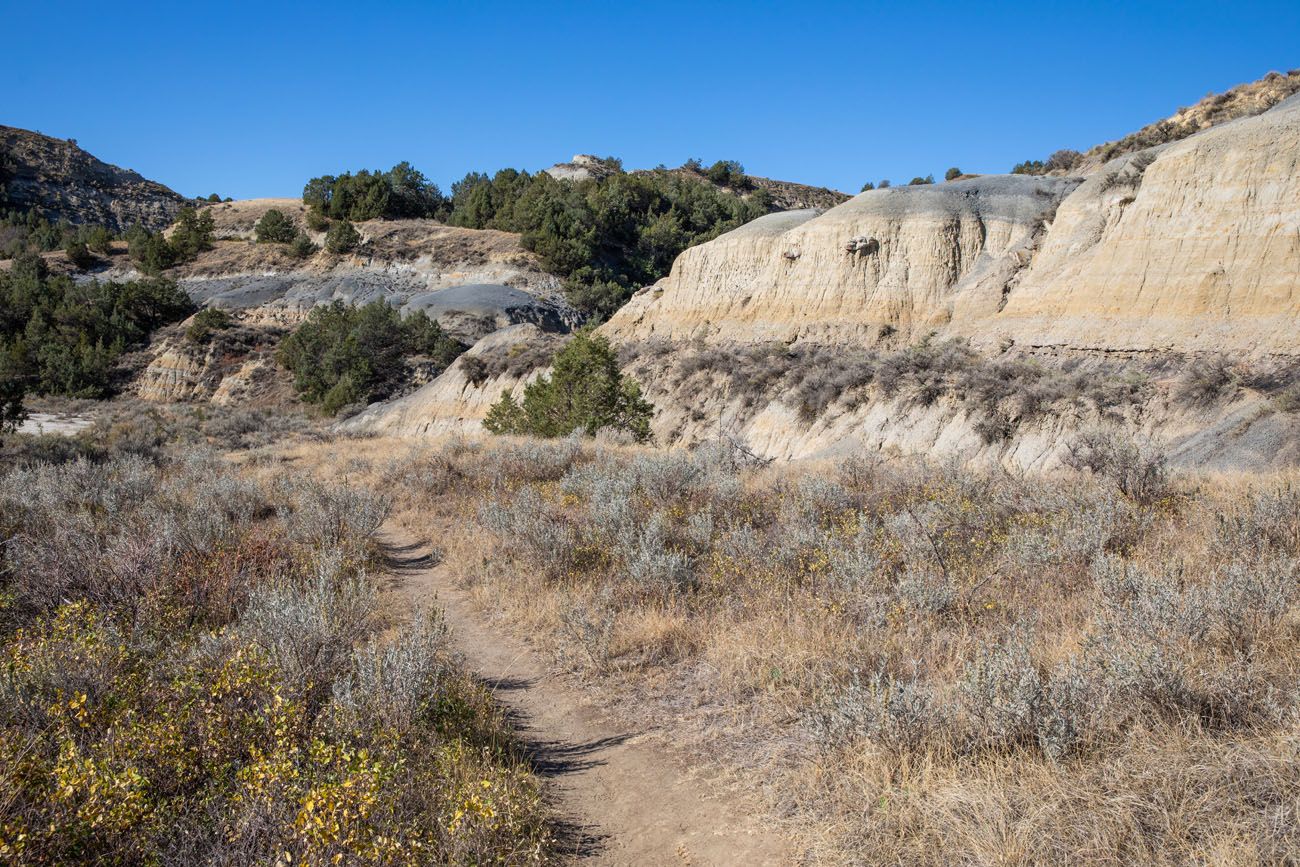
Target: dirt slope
point(625, 801)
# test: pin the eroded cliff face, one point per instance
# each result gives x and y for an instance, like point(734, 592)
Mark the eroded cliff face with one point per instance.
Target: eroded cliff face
point(903, 260)
point(1191, 246)
point(1185, 250)
point(232, 367)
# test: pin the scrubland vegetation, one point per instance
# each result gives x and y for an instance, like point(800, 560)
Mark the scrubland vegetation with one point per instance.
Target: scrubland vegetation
point(606, 236)
point(585, 392)
point(30, 232)
point(343, 355)
point(922, 663)
point(61, 337)
point(195, 667)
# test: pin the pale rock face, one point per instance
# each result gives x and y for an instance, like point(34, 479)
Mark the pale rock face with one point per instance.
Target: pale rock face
point(172, 375)
point(450, 404)
point(1204, 255)
point(1191, 246)
point(909, 259)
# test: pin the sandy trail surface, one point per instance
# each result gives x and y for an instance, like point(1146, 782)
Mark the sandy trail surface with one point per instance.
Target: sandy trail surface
point(621, 799)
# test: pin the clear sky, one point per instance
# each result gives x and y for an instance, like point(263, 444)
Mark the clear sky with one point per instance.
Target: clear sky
point(251, 99)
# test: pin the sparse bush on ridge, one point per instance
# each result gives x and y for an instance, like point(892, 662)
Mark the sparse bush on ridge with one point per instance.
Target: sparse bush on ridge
point(274, 228)
point(342, 237)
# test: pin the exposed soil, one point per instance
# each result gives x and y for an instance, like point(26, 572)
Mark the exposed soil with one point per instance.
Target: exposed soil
point(621, 799)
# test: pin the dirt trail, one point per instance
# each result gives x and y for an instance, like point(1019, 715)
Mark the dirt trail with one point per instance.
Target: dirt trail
point(623, 801)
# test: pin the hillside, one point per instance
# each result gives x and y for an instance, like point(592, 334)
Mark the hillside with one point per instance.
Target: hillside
point(65, 182)
point(994, 317)
point(1244, 100)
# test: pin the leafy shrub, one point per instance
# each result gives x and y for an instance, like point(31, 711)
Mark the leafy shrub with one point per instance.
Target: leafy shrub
point(342, 355)
point(585, 392)
point(1139, 470)
point(1206, 381)
point(342, 237)
point(207, 322)
point(192, 233)
point(275, 227)
point(1063, 161)
point(302, 247)
point(183, 684)
point(952, 174)
point(154, 253)
point(79, 255)
point(316, 221)
point(918, 181)
point(728, 173)
point(61, 337)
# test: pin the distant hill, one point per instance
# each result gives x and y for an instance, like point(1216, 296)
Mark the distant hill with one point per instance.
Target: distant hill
point(65, 182)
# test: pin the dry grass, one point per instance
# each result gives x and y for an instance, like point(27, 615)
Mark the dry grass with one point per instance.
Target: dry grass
point(195, 668)
point(917, 664)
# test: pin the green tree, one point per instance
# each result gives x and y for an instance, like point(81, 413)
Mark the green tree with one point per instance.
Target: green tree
point(79, 255)
point(152, 252)
point(584, 391)
point(952, 174)
point(302, 247)
point(207, 322)
point(58, 336)
point(98, 238)
point(192, 233)
point(342, 237)
point(342, 355)
point(275, 228)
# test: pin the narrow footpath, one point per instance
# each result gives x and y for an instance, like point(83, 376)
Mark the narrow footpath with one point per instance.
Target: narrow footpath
point(621, 800)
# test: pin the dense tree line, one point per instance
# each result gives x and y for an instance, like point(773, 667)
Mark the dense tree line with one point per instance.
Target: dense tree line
point(399, 193)
point(606, 236)
point(344, 355)
point(58, 336)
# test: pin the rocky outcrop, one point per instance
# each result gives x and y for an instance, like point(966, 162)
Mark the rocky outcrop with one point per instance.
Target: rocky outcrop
point(583, 167)
point(1191, 246)
point(233, 366)
point(903, 260)
point(64, 182)
point(457, 401)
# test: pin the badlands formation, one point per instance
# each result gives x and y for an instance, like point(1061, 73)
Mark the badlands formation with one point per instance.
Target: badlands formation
point(1156, 257)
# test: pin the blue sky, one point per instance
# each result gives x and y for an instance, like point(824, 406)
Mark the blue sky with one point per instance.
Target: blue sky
point(251, 99)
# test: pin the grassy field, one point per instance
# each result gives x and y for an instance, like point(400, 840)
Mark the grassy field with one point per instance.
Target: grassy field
point(196, 666)
point(913, 663)
point(907, 662)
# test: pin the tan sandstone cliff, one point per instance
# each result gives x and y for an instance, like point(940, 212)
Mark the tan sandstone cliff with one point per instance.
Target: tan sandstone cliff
point(1190, 246)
